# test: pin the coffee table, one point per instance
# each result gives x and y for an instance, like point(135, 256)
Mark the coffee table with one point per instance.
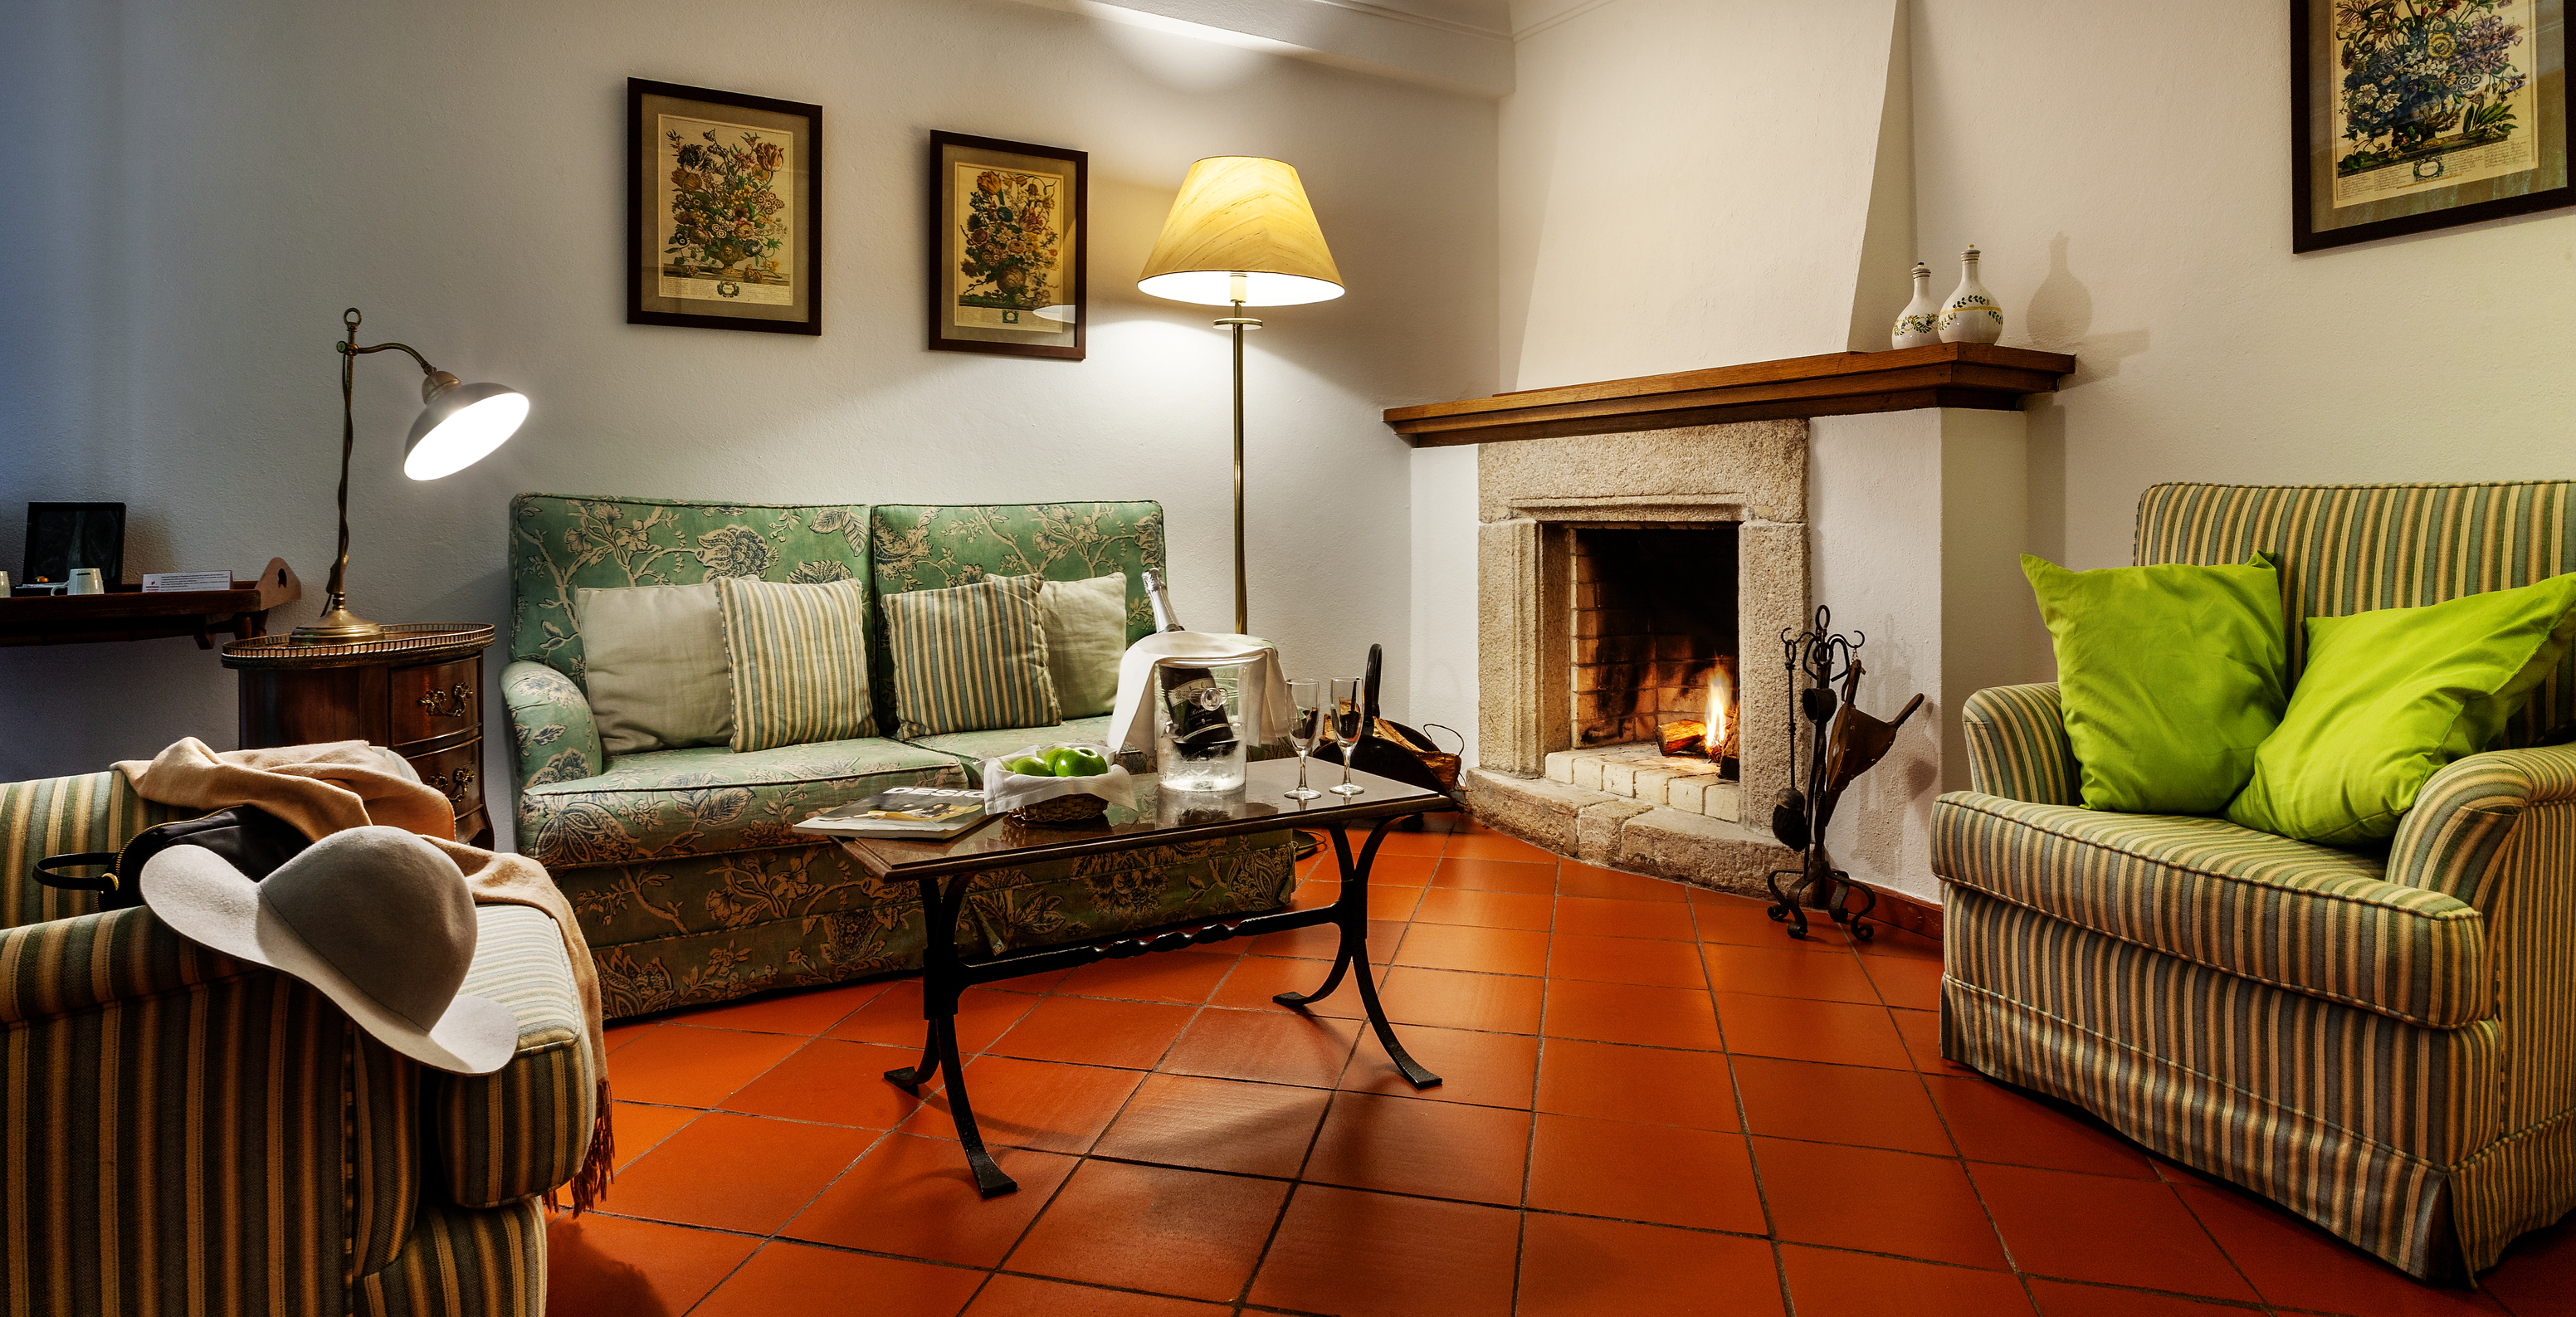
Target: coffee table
point(945, 870)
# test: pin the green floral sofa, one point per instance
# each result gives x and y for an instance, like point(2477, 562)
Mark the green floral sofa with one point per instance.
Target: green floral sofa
point(690, 883)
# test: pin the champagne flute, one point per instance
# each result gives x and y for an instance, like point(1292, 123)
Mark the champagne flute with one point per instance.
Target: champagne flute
point(1304, 699)
point(1349, 715)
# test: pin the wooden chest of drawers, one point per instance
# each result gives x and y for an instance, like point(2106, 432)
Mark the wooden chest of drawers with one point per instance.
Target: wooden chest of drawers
point(418, 689)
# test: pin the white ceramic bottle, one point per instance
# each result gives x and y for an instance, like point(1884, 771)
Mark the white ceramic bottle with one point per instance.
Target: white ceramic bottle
point(1971, 315)
point(1920, 326)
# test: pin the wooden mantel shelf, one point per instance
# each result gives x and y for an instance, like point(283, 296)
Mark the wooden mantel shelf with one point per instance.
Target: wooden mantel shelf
point(1836, 384)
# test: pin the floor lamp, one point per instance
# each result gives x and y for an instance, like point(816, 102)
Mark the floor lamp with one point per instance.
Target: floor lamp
point(1241, 234)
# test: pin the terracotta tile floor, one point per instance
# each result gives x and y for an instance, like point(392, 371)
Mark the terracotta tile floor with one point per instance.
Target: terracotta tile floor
point(1655, 1104)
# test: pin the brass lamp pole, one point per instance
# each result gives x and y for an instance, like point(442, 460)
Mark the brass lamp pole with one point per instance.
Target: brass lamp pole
point(460, 424)
point(1241, 233)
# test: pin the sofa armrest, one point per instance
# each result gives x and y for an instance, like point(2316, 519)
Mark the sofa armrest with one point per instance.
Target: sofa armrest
point(523, 1129)
point(2453, 838)
point(2017, 746)
point(551, 724)
point(95, 962)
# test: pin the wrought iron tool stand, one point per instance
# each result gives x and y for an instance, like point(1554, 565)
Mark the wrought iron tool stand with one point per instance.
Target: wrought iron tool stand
point(1843, 743)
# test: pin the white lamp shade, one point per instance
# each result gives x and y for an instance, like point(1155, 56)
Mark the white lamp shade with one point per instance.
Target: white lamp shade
point(460, 427)
point(1241, 216)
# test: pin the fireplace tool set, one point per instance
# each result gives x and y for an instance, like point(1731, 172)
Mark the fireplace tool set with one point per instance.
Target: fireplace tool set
point(1843, 744)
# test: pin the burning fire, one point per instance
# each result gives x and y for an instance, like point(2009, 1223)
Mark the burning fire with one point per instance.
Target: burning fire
point(1693, 737)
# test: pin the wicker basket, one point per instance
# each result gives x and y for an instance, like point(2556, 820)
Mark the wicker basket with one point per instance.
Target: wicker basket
point(1063, 809)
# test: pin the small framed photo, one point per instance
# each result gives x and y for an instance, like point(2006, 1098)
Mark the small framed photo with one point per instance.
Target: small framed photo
point(2410, 115)
point(1006, 247)
point(62, 537)
point(724, 210)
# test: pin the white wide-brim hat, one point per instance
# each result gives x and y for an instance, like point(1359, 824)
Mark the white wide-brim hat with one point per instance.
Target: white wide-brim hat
point(375, 918)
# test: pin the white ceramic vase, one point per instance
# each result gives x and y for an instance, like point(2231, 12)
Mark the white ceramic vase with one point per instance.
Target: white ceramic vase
point(1920, 326)
point(1971, 315)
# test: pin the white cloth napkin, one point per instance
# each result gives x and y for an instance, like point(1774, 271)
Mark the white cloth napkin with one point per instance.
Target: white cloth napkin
point(1266, 711)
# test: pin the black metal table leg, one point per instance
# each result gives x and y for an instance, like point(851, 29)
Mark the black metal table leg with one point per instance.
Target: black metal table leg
point(943, 982)
point(1350, 915)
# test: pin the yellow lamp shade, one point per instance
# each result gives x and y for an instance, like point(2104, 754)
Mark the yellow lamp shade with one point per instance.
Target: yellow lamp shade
point(1241, 215)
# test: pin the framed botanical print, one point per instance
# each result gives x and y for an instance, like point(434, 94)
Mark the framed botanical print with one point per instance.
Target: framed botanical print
point(2409, 115)
point(724, 210)
point(1006, 247)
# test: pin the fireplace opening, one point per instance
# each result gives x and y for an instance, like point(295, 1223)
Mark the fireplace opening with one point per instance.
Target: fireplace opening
point(1654, 644)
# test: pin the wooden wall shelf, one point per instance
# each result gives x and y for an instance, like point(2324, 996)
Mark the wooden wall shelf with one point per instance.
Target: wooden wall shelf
point(125, 612)
point(1836, 384)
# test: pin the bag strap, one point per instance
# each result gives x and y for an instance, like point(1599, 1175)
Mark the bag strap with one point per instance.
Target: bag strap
point(49, 871)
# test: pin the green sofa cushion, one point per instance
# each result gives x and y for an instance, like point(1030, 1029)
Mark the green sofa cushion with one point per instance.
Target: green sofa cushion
point(706, 800)
point(560, 543)
point(2390, 697)
point(2170, 676)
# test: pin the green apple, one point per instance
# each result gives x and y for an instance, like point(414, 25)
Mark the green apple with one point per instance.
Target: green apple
point(1029, 766)
point(1076, 761)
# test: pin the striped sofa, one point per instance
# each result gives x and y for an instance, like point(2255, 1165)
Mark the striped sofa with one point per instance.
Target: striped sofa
point(2382, 1041)
point(186, 1133)
point(690, 883)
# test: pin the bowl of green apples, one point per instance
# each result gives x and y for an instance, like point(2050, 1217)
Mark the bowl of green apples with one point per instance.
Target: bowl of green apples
point(1071, 782)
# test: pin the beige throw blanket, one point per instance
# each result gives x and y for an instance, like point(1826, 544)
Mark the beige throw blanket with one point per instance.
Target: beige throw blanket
point(322, 789)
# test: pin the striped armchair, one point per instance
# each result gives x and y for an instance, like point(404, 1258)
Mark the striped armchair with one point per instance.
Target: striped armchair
point(185, 1133)
point(2383, 1042)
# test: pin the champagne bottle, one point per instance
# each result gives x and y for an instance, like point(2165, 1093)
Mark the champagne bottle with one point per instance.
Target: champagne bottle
point(1196, 704)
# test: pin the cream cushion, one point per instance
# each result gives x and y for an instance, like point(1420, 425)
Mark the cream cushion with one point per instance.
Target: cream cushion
point(654, 662)
point(1086, 629)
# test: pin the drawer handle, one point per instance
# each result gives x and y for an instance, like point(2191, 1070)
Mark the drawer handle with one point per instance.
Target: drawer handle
point(452, 785)
point(455, 697)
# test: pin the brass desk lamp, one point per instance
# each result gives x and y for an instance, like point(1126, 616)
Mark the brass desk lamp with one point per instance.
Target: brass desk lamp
point(1241, 232)
point(459, 426)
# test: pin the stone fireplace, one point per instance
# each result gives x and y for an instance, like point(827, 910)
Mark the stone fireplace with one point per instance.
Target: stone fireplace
point(1626, 582)
point(1892, 486)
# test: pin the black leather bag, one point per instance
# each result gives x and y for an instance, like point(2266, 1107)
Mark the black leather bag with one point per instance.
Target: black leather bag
point(250, 838)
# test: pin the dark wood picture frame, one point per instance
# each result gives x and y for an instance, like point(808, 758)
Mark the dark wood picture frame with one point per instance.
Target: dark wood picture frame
point(646, 276)
point(2312, 143)
point(945, 334)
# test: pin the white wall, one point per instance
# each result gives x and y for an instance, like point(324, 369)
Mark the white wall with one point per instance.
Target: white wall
point(195, 191)
point(1671, 169)
point(1684, 183)
point(2124, 169)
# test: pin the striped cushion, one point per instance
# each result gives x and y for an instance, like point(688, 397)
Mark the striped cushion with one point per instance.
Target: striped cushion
point(61, 816)
point(2346, 1117)
point(2345, 549)
point(800, 661)
point(524, 1128)
point(970, 657)
point(2322, 921)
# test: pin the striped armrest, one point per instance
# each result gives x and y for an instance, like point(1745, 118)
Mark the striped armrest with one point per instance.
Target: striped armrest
point(2017, 745)
point(2451, 839)
point(523, 1129)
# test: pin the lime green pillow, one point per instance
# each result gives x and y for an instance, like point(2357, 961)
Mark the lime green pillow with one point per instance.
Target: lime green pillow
point(2170, 676)
point(2390, 697)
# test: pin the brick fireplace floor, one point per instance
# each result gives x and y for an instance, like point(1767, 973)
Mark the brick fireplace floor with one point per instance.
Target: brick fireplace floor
point(1656, 1104)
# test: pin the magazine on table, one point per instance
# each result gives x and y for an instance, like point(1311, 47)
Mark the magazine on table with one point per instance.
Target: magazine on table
point(910, 813)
